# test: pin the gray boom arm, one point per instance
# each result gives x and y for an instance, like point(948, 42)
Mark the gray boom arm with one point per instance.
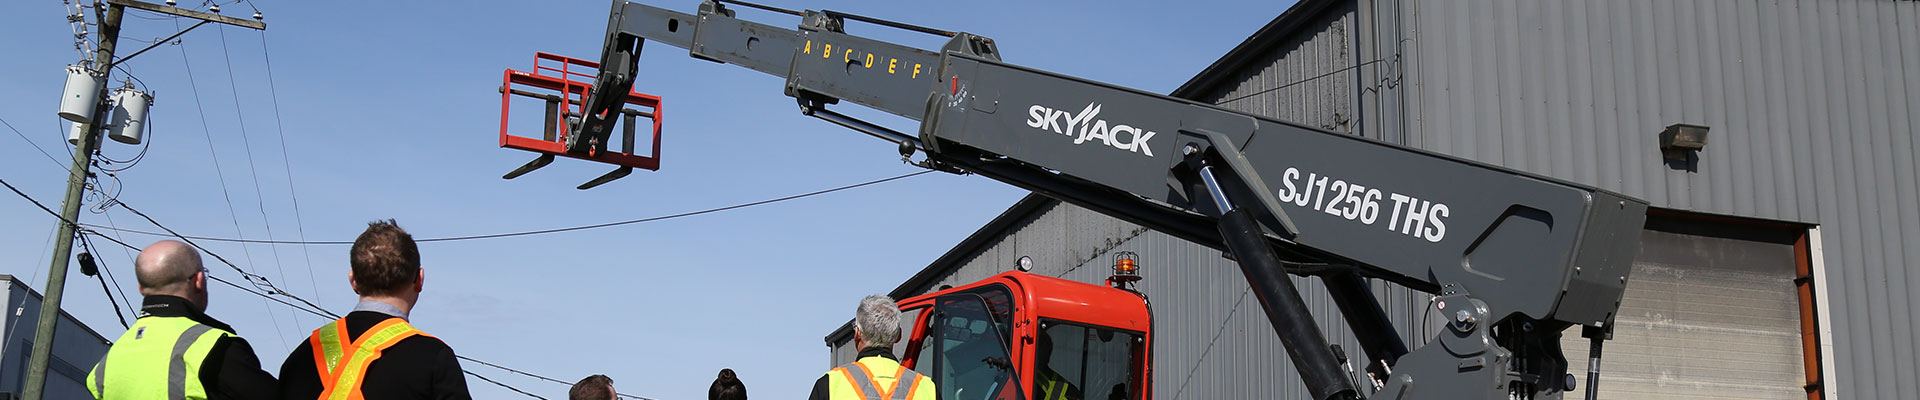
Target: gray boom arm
point(1501, 248)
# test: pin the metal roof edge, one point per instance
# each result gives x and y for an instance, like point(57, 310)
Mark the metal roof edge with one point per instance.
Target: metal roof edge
point(15, 281)
point(1261, 40)
point(981, 238)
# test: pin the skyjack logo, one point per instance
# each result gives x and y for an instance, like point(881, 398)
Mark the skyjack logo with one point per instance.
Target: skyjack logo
point(1083, 127)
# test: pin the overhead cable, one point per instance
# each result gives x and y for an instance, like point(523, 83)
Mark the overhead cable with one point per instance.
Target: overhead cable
point(305, 306)
point(30, 142)
point(219, 172)
point(541, 231)
point(286, 161)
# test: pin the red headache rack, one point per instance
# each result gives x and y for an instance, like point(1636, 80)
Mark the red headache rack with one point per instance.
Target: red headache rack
point(564, 83)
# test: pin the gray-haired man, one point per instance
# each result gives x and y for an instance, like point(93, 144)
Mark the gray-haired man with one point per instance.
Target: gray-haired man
point(875, 373)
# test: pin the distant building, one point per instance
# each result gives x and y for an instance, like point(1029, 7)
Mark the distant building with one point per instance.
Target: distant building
point(1777, 262)
point(76, 347)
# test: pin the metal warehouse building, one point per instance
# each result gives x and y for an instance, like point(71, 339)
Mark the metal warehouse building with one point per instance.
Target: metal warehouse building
point(1775, 264)
point(76, 347)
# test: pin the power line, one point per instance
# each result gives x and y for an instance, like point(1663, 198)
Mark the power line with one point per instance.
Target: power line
point(536, 376)
point(219, 172)
point(257, 280)
point(286, 161)
point(497, 383)
point(89, 253)
point(309, 307)
point(30, 142)
point(321, 312)
point(552, 230)
point(317, 311)
point(246, 143)
point(130, 261)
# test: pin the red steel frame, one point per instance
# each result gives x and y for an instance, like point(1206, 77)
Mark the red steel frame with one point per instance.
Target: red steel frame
point(573, 95)
point(1036, 297)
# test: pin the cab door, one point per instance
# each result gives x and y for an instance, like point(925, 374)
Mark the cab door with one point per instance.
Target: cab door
point(963, 345)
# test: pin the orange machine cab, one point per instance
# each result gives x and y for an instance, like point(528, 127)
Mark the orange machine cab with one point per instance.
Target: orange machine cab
point(1099, 340)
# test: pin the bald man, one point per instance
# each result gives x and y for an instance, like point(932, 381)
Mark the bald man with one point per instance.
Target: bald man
point(176, 351)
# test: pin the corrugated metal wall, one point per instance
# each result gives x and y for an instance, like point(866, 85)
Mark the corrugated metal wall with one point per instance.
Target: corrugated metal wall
point(1812, 106)
point(1306, 79)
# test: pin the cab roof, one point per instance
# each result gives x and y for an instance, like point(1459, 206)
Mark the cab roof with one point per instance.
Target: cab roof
point(1066, 300)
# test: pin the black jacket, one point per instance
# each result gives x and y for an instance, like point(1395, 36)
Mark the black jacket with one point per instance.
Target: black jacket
point(231, 370)
point(418, 367)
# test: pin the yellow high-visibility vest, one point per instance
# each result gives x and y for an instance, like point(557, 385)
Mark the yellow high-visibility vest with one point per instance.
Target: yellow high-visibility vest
point(1052, 386)
point(158, 356)
point(877, 378)
point(343, 364)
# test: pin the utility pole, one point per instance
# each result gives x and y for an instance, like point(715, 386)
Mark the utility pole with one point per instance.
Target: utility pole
point(89, 140)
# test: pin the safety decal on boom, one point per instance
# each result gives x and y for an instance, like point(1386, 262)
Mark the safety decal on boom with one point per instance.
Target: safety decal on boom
point(1411, 216)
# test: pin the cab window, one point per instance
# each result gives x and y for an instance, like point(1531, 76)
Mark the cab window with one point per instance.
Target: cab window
point(971, 332)
point(1077, 362)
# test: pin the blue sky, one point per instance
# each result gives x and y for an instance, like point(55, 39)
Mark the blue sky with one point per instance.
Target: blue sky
point(389, 111)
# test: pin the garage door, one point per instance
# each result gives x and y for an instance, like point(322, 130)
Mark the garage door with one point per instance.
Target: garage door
point(1711, 312)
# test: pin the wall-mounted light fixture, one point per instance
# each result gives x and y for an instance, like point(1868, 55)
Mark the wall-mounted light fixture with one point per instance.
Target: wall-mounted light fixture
point(1680, 140)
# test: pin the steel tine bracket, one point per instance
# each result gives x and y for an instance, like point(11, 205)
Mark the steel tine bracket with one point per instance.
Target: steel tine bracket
point(616, 174)
point(537, 163)
point(626, 146)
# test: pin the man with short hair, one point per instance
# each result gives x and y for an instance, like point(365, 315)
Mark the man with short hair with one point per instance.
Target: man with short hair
point(373, 352)
point(174, 350)
point(875, 373)
point(593, 387)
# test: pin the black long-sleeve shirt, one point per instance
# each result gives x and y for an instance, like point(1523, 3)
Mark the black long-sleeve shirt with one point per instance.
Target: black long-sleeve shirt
point(231, 370)
point(418, 367)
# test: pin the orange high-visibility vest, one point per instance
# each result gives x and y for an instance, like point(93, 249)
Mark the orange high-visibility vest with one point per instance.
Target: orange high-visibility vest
point(343, 364)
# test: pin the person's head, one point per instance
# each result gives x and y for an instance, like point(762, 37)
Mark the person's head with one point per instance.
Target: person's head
point(386, 263)
point(727, 387)
point(170, 268)
point(876, 323)
point(595, 387)
point(1043, 349)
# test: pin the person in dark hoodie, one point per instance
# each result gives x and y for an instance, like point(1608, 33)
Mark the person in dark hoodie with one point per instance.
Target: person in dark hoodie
point(727, 387)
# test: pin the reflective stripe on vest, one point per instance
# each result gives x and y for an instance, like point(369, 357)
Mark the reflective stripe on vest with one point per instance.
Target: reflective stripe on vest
point(343, 365)
point(327, 342)
point(863, 384)
point(1053, 386)
point(178, 342)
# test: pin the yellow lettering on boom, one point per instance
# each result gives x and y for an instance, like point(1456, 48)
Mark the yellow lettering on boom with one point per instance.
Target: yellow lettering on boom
point(869, 60)
point(828, 49)
point(890, 63)
point(916, 70)
point(808, 49)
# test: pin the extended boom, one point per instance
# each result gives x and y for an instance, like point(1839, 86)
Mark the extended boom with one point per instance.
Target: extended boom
point(1513, 258)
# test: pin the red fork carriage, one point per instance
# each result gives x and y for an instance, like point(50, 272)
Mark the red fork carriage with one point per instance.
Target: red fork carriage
point(564, 84)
